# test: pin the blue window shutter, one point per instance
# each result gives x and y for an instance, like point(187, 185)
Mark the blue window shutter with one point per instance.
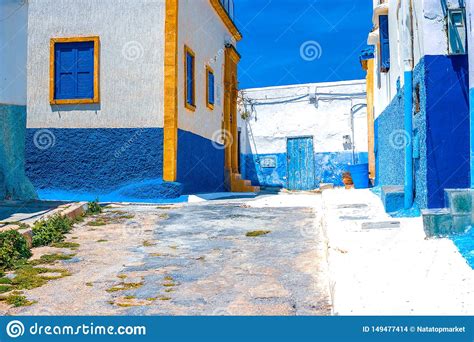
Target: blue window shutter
point(384, 44)
point(65, 72)
point(211, 87)
point(85, 71)
point(190, 78)
point(74, 71)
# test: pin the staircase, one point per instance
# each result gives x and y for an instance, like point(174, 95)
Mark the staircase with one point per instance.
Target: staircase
point(237, 184)
point(456, 218)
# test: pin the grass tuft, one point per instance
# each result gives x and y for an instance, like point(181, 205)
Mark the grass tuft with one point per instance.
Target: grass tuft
point(18, 300)
point(257, 233)
point(70, 245)
point(124, 287)
point(49, 259)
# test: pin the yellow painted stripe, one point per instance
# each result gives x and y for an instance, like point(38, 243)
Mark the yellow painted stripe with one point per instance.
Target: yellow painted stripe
point(370, 116)
point(170, 148)
point(229, 24)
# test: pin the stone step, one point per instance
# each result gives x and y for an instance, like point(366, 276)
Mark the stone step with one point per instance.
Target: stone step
point(236, 176)
point(240, 185)
point(441, 223)
point(393, 198)
point(381, 225)
point(437, 222)
point(459, 201)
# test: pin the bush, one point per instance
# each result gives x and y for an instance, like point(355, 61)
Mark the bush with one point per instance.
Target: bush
point(13, 248)
point(94, 208)
point(46, 232)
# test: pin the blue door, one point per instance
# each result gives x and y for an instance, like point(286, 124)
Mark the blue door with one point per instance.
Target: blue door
point(300, 154)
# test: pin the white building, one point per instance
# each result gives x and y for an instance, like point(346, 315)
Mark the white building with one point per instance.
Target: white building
point(420, 48)
point(13, 45)
point(130, 100)
point(326, 122)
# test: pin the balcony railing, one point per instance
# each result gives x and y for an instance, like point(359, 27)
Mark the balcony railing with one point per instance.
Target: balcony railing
point(229, 7)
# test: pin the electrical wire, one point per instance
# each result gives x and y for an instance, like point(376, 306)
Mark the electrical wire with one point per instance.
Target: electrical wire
point(15, 11)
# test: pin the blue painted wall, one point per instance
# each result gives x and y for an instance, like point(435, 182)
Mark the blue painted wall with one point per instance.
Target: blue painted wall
point(441, 132)
point(389, 147)
point(328, 168)
point(447, 126)
point(200, 164)
point(114, 163)
point(119, 164)
point(331, 165)
point(419, 138)
point(465, 244)
point(14, 185)
point(265, 176)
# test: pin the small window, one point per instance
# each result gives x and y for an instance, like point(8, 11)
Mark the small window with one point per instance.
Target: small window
point(190, 91)
point(74, 70)
point(457, 32)
point(210, 88)
point(417, 99)
point(384, 44)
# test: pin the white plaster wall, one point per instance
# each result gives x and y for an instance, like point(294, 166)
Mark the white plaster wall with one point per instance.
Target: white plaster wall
point(435, 35)
point(430, 38)
point(470, 41)
point(131, 61)
point(201, 29)
point(13, 43)
point(281, 112)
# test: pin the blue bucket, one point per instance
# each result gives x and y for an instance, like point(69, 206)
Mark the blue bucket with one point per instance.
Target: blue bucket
point(360, 175)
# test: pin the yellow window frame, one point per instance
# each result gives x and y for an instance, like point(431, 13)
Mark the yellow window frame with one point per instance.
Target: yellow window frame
point(209, 70)
point(188, 50)
point(52, 70)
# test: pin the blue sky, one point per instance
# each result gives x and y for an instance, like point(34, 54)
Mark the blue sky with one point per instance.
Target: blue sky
point(277, 31)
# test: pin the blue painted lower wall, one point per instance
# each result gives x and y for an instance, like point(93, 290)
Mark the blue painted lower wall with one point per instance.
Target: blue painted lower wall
point(14, 185)
point(329, 167)
point(447, 126)
point(117, 164)
point(200, 164)
point(465, 244)
point(440, 132)
point(389, 144)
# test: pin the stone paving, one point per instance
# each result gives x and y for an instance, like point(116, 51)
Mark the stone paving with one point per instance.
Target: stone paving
point(193, 259)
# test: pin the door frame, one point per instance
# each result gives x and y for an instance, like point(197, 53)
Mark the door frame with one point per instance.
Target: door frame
point(231, 61)
point(287, 156)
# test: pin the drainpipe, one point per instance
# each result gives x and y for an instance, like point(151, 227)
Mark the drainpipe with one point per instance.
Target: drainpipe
point(407, 41)
point(470, 44)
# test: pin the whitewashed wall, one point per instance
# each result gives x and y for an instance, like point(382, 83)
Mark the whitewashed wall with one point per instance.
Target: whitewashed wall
point(131, 61)
point(201, 29)
point(282, 112)
point(430, 38)
point(13, 43)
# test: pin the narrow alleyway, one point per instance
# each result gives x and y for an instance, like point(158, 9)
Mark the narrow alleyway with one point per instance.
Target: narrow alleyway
point(196, 259)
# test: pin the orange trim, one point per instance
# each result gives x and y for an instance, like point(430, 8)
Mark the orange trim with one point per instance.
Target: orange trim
point(209, 71)
point(188, 50)
point(229, 24)
point(170, 148)
point(52, 70)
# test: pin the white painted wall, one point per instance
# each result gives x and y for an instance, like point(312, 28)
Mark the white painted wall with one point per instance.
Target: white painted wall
point(470, 41)
point(131, 58)
point(430, 38)
point(13, 44)
point(201, 29)
point(281, 112)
